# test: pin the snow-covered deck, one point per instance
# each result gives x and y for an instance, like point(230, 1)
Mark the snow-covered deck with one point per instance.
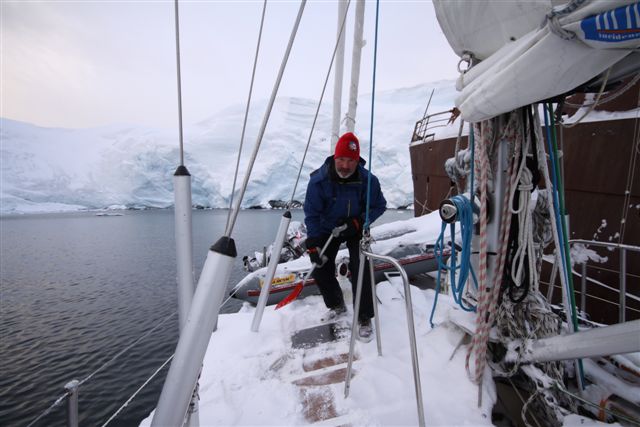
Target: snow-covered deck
point(260, 379)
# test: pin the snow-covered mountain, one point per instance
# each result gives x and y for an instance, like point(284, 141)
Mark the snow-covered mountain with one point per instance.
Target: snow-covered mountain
point(51, 169)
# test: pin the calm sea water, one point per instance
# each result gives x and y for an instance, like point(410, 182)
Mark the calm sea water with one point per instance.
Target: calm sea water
point(76, 289)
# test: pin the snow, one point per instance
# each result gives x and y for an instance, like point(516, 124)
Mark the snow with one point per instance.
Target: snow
point(127, 166)
point(49, 169)
point(248, 377)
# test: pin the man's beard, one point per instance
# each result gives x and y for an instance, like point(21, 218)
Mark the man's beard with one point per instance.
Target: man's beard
point(344, 174)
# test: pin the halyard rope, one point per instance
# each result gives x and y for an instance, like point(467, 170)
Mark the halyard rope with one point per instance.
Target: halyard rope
point(488, 298)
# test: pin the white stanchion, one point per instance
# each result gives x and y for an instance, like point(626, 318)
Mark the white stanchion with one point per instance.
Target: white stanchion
point(194, 338)
point(271, 270)
point(184, 261)
point(184, 241)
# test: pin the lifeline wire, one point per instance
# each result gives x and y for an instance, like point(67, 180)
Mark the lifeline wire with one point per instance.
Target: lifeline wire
point(246, 113)
point(179, 84)
point(324, 87)
point(373, 98)
point(133, 396)
point(61, 398)
point(236, 209)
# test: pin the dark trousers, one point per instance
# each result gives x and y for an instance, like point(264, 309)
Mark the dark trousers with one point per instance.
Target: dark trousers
point(330, 288)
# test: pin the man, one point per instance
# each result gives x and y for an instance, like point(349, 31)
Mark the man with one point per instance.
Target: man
point(337, 195)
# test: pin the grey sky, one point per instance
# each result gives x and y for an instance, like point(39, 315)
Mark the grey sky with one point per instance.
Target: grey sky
point(91, 63)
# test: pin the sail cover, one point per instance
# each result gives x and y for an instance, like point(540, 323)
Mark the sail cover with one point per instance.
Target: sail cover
point(542, 52)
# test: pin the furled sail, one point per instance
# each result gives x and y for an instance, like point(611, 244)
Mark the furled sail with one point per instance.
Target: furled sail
point(544, 53)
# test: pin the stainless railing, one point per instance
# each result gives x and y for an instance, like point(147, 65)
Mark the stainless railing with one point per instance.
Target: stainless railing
point(622, 290)
point(412, 332)
point(424, 128)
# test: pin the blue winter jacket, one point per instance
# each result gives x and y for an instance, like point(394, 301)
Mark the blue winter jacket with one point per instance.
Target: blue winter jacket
point(330, 200)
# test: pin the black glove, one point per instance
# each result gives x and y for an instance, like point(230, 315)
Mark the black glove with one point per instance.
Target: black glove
point(354, 227)
point(314, 256)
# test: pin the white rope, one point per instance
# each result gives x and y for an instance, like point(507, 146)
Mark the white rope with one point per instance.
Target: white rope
point(592, 106)
point(542, 166)
point(608, 98)
point(125, 404)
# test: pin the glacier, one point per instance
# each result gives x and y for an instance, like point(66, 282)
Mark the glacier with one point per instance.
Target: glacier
point(124, 166)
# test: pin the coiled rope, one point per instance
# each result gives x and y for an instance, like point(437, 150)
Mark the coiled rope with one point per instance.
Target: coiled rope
point(464, 209)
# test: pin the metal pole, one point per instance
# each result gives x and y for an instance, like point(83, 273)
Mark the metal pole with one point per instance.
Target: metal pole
point(358, 43)
point(354, 325)
point(554, 274)
point(72, 402)
point(604, 341)
point(623, 284)
point(338, 75)
point(271, 271)
point(583, 288)
point(184, 244)
point(184, 262)
point(194, 338)
point(410, 326)
point(376, 318)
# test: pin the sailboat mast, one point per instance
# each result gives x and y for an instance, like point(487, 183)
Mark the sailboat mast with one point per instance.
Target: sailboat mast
point(358, 43)
point(338, 76)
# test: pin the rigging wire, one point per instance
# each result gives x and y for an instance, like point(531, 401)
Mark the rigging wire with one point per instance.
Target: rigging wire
point(60, 399)
point(234, 212)
point(635, 151)
point(373, 98)
point(46, 412)
point(104, 365)
point(315, 118)
point(133, 396)
point(246, 113)
point(179, 84)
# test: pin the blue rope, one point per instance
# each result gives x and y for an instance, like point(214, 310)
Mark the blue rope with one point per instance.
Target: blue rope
point(373, 97)
point(471, 147)
point(465, 216)
point(556, 202)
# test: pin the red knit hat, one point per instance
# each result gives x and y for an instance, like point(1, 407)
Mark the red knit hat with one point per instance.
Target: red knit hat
point(348, 146)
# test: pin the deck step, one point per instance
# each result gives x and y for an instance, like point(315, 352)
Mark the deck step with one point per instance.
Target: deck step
point(320, 334)
point(317, 404)
point(325, 362)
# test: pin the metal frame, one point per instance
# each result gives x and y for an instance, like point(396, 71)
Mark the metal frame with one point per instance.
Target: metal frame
point(622, 274)
point(409, 308)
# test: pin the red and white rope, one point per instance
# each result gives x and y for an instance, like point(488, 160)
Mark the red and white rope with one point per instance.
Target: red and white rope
point(488, 296)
